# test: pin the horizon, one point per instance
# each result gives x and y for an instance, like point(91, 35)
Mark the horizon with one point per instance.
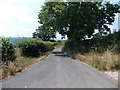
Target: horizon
point(28, 38)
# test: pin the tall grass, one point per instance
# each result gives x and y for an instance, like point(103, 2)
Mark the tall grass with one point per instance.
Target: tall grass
point(102, 61)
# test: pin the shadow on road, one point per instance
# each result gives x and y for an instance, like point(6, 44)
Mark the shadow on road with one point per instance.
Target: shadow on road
point(61, 54)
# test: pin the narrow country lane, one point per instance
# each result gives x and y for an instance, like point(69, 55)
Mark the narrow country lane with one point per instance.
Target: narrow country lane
point(59, 71)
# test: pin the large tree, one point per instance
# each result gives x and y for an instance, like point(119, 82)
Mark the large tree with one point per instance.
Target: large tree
point(44, 34)
point(77, 20)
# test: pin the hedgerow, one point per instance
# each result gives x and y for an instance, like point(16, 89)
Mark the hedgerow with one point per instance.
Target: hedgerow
point(98, 44)
point(34, 47)
point(8, 50)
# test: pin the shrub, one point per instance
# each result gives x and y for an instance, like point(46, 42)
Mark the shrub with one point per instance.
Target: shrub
point(69, 45)
point(8, 51)
point(34, 47)
point(76, 46)
point(97, 43)
point(49, 46)
point(102, 43)
point(57, 43)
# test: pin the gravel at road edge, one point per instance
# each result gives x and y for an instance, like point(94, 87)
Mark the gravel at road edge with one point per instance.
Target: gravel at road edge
point(111, 74)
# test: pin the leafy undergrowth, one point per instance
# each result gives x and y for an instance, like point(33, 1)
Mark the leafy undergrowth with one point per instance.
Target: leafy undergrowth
point(11, 68)
point(106, 61)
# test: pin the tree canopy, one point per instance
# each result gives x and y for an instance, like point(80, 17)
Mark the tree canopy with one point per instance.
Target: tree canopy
point(77, 20)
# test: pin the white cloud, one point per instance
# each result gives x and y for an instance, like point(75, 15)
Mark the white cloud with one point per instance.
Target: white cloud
point(24, 1)
point(11, 14)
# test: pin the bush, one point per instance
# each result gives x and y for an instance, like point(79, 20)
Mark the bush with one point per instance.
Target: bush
point(49, 46)
point(102, 43)
point(68, 45)
point(8, 51)
point(57, 43)
point(76, 46)
point(34, 47)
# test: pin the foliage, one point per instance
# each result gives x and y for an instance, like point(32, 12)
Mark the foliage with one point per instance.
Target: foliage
point(70, 18)
point(49, 46)
point(98, 43)
point(74, 46)
point(103, 42)
point(44, 35)
point(57, 43)
point(8, 51)
point(69, 45)
point(34, 47)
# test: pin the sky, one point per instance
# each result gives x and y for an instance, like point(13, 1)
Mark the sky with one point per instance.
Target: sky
point(19, 18)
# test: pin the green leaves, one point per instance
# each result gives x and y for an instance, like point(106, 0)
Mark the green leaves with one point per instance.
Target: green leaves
point(35, 47)
point(76, 19)
point(8, 51)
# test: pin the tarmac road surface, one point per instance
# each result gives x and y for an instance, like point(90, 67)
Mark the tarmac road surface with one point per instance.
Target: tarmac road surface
point(59, 71)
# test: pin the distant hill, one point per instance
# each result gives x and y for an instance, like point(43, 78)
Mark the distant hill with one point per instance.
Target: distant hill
point(18, 39)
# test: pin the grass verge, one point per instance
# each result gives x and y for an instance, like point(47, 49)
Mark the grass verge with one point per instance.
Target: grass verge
point(106, 61)
point(11, 68)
